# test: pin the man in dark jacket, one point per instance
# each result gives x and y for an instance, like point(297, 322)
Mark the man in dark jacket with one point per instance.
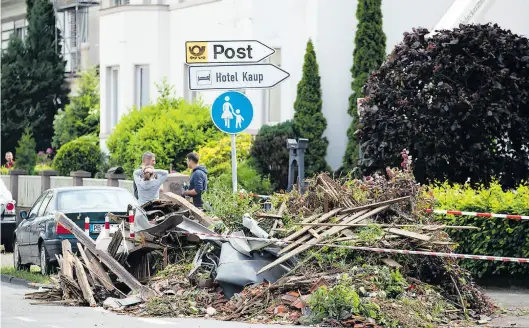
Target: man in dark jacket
point(148, 159)
point(199, 180)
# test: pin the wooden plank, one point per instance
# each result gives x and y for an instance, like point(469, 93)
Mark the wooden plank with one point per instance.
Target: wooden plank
point(96, 269)
point(282, 209)
point(66, 254)
point(334, 230)
point(314, 233)
point(182, 202)
point(83, 282)
point(304, 230)
point(110, 262)
point(391, 263)
point(268, 215)
point(306, 237)
point(370, 206)
point(408, 234)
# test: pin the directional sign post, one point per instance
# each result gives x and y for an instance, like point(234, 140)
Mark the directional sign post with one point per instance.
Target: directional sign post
point(232, 113)
point(230, 77)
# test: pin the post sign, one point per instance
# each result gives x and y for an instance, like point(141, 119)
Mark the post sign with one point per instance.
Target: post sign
point(240, 51)
point(230, 77)
point(232, 112)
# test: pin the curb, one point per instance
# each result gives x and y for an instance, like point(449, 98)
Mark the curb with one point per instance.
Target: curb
point(16, 281)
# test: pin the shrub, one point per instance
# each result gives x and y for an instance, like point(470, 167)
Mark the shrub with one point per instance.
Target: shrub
point(26, 156)
point(309, 121)
point(496, 237)
point(368, 55)
point(457, 100)
point(81, 116)
point(270, 152)
point(248, 179)
point(82, 153)
point(216, 154)
point(170, 128)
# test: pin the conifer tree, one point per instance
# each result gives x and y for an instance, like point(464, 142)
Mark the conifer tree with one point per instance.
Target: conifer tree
point(309, 121)
point(369, 53)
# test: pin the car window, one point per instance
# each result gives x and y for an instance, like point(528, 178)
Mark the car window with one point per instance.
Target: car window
point(112, 200)
point(35, 209)
point(45, 203)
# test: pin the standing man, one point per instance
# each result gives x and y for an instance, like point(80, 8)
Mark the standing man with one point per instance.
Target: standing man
point(198, 182)
point(9, 160)
point(148, 159)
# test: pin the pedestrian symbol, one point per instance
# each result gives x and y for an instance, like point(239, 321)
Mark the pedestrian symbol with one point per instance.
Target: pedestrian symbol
point(232, 112)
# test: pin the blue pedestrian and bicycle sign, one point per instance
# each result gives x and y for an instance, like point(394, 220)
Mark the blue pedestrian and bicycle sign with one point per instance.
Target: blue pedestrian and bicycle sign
point(232, 112)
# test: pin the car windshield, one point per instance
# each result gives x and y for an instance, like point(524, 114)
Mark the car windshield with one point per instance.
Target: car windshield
point(112, 200)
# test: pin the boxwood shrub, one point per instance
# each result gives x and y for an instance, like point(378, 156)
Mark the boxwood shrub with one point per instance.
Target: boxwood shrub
point(82, 153)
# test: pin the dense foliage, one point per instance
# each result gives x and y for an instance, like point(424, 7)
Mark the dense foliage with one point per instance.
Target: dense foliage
point(459, 101)
point(497, 237)
point(26, 153)
point(81, 116)
point(82, 153)
point(369, 53)
point(216, 154)
point(270, 152)
point(309, 121)
point(170, 128)
point(33, 81)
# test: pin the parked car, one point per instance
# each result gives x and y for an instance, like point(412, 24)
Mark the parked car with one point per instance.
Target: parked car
point(8, 217)
point(39, 236)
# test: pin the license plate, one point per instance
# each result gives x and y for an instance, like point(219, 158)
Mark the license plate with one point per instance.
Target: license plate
point(97, 228)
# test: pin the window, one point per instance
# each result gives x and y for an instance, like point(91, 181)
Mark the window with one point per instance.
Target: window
point(109, 200)
point(45, 203)
point(189, 95)
point(113, 96)
point(274, 94)
point(35, 209)
point(142, 86)
point(17, 27)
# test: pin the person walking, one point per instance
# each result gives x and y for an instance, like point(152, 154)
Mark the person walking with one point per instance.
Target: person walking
point(198, 183)
point(148, 159)
point(148, 181)
point(10, 163)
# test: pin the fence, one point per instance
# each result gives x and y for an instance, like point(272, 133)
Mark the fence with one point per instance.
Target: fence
point(27, 188)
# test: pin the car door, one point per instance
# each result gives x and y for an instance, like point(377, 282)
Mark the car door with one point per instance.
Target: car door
point(23, 230)
point(38, 226)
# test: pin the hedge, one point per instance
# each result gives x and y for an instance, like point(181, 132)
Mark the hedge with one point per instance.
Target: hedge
point(496, 237)
point(82, 153)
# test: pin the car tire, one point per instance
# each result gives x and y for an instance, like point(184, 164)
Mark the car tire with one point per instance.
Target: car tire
point(17, 260)
point(45, 265)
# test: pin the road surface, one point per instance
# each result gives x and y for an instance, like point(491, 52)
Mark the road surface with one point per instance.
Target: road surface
point(16, 312)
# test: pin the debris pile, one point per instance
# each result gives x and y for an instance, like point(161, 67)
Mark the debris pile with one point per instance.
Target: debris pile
point(294, 264)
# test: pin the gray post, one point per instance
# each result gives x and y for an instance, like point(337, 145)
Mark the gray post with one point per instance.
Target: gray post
point(14, 182)
point(297, 158)
point(233, 164)
point(302, 145)
point(292, 146)
point(113, 178)
point(45, 179)
point(78, 177)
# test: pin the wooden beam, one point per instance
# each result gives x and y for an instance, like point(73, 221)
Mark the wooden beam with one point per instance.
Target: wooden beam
point(322, 218)
point(96, 269)
point(355, 218)
point(109, 261)
point(370, 206)
point(83, 282)
point(409, 234)
point(182, 202)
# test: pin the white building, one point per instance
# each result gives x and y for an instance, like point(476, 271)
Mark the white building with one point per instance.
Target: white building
point(78, 21)
point(143, 41)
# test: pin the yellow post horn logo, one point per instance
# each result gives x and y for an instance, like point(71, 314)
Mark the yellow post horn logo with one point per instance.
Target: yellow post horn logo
point(196, 52)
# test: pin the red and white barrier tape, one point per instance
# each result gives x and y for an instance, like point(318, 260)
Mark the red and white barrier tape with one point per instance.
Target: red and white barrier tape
point(485, 215)
point(374, 249)
point(131, 224)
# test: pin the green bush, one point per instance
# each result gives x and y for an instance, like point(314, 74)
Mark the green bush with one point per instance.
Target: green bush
point(248, 179)
point(82, 153)
point(496, 237)
point(270, 153)
point(26, 153)
point(170, 128)
point(216, 154)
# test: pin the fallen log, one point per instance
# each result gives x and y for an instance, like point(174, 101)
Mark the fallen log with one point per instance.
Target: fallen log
point(110, 262)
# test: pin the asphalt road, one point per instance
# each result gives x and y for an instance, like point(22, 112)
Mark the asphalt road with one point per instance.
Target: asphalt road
point(16, 312)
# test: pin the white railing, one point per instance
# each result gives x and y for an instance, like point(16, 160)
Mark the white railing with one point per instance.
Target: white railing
point(90, 182)
point(57, 182)
point(7, 181)
point(28, 189)
point(127, 184)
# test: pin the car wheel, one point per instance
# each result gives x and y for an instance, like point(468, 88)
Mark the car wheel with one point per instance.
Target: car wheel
point(17, 260)
point(45, 266)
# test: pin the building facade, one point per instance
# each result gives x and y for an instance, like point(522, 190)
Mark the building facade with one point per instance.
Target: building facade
point(143, 41)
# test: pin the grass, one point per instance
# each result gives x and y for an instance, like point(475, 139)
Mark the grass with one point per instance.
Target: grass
point(33, 275)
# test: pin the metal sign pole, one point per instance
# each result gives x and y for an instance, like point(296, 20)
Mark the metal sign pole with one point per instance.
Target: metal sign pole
point(233, 163)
